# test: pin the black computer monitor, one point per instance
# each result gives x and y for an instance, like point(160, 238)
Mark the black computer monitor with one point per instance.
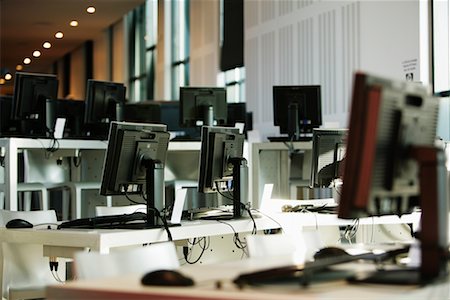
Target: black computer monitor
point(8, 126)
point(104, 103)
point(328, 152)
point(237, 113)
point(203, 106)
point(221, 163)
point(393, 166)
point(134, 163)
point(73, 112)
point(142, 112)
point(170, 115)
point(297, 110)
point(31, 93)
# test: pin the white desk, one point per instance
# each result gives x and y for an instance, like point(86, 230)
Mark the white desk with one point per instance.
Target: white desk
point(12, 146)
point(206, 276)
point(65, 242)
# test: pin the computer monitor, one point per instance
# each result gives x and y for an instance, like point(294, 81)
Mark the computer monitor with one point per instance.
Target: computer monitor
point(237, 113)
point(31, 93)
point(104, 103)
point(134, 164)
point(328, 152)
point(203, 106)
point(393, 166)
point(142, 112)
point(297, 110)
point(73, 112)
point(8, 126)
point(170, 115)
point(223, 168)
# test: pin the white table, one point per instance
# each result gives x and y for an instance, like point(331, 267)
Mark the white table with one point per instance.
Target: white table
point(12, 146)
point(206, 278)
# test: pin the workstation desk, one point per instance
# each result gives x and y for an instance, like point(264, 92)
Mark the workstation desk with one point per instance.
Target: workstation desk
point(209, 278)
point(12, 146)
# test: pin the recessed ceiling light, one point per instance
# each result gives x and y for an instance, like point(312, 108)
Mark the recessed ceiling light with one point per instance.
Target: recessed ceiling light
point(27, 60)
point(74, 23)
point(2, 81)
point(36, 53)
point(59, 35)
point(19, 68)
point(90, 9)
point(8, 76)
point(47, 45)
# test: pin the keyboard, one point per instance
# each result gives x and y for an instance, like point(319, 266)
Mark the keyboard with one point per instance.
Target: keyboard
point(122, 221)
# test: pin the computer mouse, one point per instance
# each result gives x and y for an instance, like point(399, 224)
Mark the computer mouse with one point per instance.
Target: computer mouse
point(19, 223)
point(330, 252)
point(166, 278)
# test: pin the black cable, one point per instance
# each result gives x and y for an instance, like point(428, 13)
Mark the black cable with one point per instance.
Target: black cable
point(205, 246)
point(258, 211)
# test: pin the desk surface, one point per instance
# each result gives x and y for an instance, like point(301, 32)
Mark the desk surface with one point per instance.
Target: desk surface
point(129, 287)
point(103, 239)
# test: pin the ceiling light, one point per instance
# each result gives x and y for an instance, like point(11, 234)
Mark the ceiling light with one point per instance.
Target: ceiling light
point(36, 53)
point(90, 9)
point(8, 76)
point(2, 81)
point(74, 23)
point(59, 35)
point(27, 60)
point(19, 68)
point(47, 45)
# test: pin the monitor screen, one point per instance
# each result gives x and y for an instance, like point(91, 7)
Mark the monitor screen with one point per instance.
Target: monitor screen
point(203, 106)
point(394, 164)
point(297, 110)
point(31, 93)
point(104, 103)
point(223, 169)
point(170, 115)
point(328, 152)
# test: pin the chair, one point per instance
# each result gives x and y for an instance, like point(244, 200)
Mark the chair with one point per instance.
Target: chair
point(116, 210)
point(91, 265)
point(25, 272)
point(56, 177)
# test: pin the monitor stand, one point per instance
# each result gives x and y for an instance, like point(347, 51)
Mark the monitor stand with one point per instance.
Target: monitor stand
point(240, 185)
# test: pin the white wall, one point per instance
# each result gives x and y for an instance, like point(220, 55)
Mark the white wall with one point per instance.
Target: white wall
point(324, 42)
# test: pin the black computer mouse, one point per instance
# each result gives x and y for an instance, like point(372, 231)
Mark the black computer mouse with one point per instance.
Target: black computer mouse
point(166, 278)
point(330, 252)
point(19, 223)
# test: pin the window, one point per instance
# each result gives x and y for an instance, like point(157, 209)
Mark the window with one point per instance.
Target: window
point(179, 46)
point(142, 28)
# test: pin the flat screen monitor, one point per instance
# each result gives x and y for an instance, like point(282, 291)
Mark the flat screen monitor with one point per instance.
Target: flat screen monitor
point(104, 103)
point(170, 115)
point(297, 110)
point(8, 126)
point(203, 106)
point(134, 163)
point(328, 152)
point(237, 113)
point(221, 156)
point(142, 112)
point(31, 93)
point(392, 164)
point(72, 111)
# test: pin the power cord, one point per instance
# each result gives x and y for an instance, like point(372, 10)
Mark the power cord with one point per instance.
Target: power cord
point(53, 263)
point(206, 244)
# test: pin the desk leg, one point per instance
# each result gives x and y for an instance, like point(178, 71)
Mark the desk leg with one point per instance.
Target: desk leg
point(11, 177)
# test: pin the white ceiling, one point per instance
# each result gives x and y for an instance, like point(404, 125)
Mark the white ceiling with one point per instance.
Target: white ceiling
point(26, 24)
